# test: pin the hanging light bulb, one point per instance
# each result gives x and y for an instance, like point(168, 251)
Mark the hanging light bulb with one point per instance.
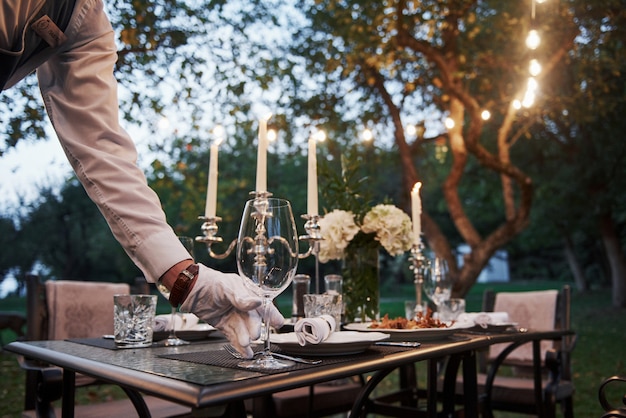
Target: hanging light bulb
point(534, 68)
point(449, 123)
point(529, 99)
point(367, 135)
point(533, 40)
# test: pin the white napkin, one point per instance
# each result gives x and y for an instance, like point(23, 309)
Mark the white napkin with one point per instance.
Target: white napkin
point(182, 321)
point(314, 330)
point(483, 319)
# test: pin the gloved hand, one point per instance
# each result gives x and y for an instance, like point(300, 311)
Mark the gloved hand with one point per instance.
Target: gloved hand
point(223, 301)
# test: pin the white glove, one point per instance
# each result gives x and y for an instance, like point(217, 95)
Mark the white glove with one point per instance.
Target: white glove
point(224, 301)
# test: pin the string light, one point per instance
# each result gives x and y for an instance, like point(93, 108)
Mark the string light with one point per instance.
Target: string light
point(367, 135)
point(534, 68)
point(533, 40)
point(485, 114)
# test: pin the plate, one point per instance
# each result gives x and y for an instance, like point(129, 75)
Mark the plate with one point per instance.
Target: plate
point(338, 344)
point(419, 334)
point(198, 332)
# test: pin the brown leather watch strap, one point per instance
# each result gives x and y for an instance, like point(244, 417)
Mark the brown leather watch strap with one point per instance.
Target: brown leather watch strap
point(182, 284)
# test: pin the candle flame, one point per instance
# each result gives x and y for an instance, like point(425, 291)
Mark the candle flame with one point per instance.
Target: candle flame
point(271, 135)
point(218, 131)
point(320, 136)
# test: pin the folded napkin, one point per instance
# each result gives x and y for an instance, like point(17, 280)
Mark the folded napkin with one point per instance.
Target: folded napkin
point(314, 330)
point(182, 321)
point(483, 319)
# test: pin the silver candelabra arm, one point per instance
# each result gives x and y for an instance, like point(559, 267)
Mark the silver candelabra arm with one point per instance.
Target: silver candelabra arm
point(210, 228)
point(313, 235)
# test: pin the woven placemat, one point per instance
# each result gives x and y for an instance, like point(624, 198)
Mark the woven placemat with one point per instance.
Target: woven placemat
point(108, 343)
point(222, 358)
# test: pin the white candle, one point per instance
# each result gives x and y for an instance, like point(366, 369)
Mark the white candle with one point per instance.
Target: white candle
point(416, 212)
point(312, 207)
point(261, 167)
point(211, 195)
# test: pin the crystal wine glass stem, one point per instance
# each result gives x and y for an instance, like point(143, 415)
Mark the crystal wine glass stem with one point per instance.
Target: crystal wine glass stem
point(267, 300)
point(173, 321)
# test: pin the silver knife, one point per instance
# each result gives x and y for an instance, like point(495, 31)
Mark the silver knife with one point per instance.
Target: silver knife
point(398, 343)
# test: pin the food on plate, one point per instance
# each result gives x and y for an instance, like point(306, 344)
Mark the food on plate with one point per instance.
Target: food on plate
point(420, 321)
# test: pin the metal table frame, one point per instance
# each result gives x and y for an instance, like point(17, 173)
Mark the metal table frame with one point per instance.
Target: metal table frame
point(201, 386)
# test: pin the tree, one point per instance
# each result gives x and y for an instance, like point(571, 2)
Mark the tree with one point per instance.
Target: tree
point(350, 64)
point(383, 62)
point(65, 233)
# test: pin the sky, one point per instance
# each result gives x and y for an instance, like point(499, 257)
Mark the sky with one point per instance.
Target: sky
point(29, 166)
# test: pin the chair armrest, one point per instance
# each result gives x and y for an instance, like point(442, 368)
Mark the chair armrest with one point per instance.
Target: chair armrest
point(44, 386)
point(495, 364)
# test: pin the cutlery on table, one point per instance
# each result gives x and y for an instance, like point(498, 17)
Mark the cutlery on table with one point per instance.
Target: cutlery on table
point(238, 355)
point(398, 343)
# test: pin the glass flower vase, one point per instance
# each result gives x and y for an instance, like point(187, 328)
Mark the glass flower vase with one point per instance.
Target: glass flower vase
point(361, 280)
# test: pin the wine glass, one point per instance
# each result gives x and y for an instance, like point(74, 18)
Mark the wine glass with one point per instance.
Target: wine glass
point(172, 339)
point(267, 256)
point(437, 282)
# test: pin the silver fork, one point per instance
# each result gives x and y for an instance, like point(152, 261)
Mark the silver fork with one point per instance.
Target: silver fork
point(238, 355)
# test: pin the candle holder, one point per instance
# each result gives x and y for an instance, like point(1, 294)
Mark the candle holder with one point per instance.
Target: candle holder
point(314, 236)
point(210, 229)
point(420, 265)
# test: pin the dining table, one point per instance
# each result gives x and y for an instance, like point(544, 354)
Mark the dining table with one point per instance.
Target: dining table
point(204, 375)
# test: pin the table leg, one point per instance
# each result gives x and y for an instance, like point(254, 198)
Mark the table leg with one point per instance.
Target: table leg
point(431, 388)
point(537, 379)
point(67, 399)
point(470, 385)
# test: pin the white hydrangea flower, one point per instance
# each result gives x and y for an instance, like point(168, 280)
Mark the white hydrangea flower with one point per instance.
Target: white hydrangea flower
point(392, 227)
point(338, 228)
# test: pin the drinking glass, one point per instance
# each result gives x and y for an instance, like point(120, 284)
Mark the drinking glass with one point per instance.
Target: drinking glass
point(437, 283)
point(267, 256)
point(172, 339)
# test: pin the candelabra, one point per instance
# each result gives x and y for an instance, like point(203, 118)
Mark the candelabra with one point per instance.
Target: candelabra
point(210, 232)
point(420, 266)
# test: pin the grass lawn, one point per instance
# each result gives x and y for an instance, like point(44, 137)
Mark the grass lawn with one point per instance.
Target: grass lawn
point(599, 352)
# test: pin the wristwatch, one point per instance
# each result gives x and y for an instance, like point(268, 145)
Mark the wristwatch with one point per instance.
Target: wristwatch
point(182, 285)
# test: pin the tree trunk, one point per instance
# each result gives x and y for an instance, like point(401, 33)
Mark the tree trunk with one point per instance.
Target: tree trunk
point(617, 262)
point(579, 276)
